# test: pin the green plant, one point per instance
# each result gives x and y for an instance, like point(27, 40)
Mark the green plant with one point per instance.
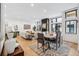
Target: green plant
point(34, 28)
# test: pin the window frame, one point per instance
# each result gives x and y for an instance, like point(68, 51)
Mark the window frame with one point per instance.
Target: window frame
point(52, 23)
point(74, 27)
point(70, 12)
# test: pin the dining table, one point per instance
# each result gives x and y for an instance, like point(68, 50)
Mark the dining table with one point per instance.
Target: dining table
point(49, 37)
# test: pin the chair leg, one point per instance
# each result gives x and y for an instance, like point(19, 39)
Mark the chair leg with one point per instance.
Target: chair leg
point(59, 43)
point(56, 46)
point(37, 45)
point(43, 49)
point(48, 45)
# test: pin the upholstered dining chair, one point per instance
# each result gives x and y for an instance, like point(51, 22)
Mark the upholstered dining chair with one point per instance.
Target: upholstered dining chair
point(10, 43)
point(10, 35)
point(56, 40)
point(41, 39)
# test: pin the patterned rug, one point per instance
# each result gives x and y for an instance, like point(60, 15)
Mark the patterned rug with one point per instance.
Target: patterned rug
point(63, 50)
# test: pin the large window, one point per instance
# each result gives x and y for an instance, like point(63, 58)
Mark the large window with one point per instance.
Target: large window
point(59, 20)
point(38, 26)
point(71, 26)
point(53, 27)
point(56, 24)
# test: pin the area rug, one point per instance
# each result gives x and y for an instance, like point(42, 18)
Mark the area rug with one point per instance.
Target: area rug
point(62, 51)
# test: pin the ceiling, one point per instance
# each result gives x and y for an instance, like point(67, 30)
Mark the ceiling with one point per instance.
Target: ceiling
point(31, 12)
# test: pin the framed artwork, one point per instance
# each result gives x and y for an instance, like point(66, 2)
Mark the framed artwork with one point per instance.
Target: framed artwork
point(72, 13)
point(71, 27)
point(26, 26)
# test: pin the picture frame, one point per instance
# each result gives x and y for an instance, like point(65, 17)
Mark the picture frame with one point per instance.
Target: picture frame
point(26, 26)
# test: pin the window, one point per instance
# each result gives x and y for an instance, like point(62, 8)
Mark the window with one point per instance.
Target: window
point(59, 20)
point(72, 13)
point(54, 20)
point(53, 27)
point(71, 26)
point(56, 24)
point(38, 26)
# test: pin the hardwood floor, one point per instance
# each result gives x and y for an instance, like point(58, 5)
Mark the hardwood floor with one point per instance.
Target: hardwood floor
point(25, 45)
point(29, 52)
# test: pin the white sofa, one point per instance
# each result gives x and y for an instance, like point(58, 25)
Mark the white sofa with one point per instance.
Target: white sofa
point(25, 35)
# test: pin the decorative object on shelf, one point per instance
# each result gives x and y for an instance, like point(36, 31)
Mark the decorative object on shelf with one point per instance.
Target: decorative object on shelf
point(72, 13)
point(71, 26)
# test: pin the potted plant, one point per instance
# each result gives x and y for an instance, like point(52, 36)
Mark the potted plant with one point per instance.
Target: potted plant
point(34, 28)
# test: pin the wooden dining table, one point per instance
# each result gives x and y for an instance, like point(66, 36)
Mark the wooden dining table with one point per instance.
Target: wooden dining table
point(48, 38)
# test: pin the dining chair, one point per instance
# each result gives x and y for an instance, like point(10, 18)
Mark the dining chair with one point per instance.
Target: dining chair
point(41, 40)
point(56, 40)
point(10, 35)
point(10, 45)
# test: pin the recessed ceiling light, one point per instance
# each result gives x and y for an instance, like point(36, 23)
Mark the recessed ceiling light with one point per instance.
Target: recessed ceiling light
point(45, 10)
point(32, 5)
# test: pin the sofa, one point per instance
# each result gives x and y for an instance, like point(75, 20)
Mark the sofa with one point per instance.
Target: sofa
point(25, 35)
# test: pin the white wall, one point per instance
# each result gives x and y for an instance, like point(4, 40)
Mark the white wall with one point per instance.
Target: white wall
point(78, 28)
point(2, 27)
point(12, 23)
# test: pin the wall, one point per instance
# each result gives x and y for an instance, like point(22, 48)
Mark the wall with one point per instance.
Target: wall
point(78, 28)
point(2, 27)
point(12, 23)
